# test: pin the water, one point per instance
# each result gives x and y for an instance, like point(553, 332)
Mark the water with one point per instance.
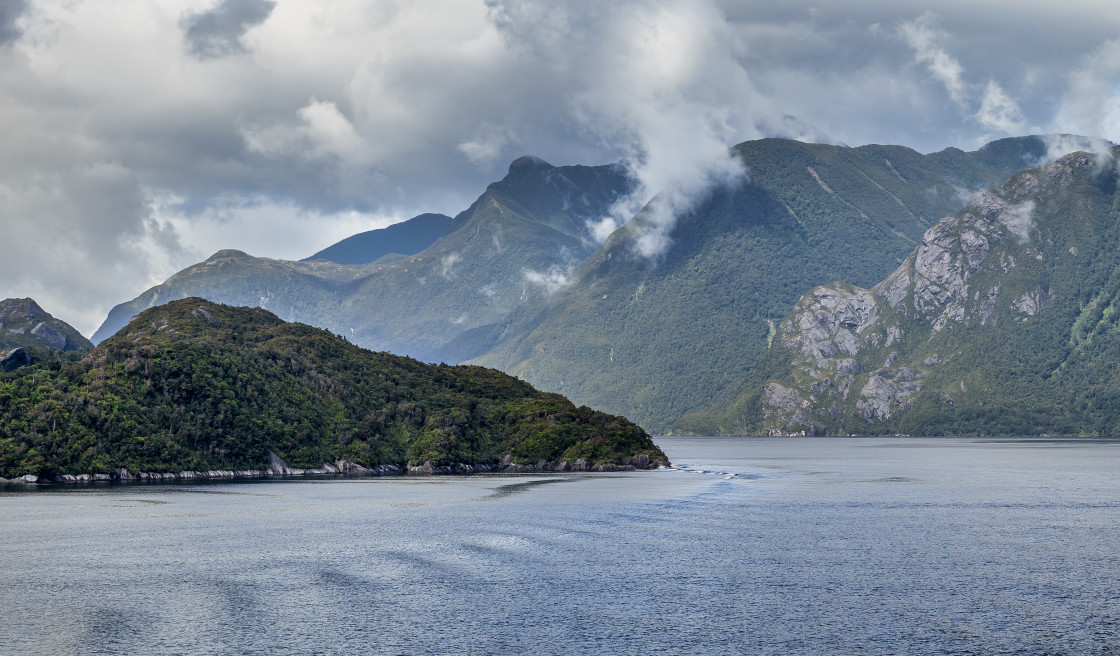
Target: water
point(753, 546)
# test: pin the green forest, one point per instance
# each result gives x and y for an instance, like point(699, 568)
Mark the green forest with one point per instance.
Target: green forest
point(194, 385)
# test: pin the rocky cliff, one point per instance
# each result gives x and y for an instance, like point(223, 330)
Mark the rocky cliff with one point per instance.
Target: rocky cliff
point(1009, 303)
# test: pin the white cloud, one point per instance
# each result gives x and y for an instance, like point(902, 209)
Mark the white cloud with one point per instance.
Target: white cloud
point(487, 145)
point(550, 281)
point(927, 39)
point(1091, 102)
point(448, 263)
point(997, 111)
point(659, 81)
point(131, 146)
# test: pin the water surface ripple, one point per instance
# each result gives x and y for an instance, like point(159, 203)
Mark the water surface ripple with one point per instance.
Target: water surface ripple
point(749, 546)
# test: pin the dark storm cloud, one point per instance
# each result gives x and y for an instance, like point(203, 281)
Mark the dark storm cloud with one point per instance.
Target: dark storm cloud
point(218, 32)
point(10, 11)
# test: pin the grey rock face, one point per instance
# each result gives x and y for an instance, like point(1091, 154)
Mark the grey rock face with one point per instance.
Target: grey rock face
point(14, 359)
point(881, 398)
point(841, 337)
point(49, 335)
point(203, 313)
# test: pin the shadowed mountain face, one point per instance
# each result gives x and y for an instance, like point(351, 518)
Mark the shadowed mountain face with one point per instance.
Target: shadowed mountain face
point(1003, 320)
point(522, 232)
point(23, 324)
point(193, 385)
point(658, 339)
point(405, 238)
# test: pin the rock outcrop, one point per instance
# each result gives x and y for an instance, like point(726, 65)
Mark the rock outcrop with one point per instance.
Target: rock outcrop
point(864, 356)
point(14, 359)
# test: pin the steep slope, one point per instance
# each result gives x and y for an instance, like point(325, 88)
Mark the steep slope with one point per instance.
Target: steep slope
point(23, 324)
point(658, 339)
point(1002, 321)
point(496, 254)
point(404, 238)
point(503, 251)
point(193, 385)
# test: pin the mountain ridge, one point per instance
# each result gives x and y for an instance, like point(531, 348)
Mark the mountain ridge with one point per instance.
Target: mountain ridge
point(1001, 322)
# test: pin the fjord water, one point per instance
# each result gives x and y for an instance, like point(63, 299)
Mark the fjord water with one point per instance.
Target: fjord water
point(753, 546)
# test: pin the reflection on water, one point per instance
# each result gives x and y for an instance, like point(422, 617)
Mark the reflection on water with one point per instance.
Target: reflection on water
point(756, 546)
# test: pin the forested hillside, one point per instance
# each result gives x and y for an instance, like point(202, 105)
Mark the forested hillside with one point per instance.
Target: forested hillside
point(193, 385)
point(1003, 321)
point(656, 339)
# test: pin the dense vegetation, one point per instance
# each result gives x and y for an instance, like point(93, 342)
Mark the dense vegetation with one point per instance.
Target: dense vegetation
point(655, 340)
point(197, 386)
point(651, 339)
point(1001, 369)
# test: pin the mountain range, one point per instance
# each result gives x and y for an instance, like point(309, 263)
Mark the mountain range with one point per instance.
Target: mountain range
point(517, 281)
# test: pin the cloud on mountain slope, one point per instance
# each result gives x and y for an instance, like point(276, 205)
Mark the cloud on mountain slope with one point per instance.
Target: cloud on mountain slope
point(141, 137)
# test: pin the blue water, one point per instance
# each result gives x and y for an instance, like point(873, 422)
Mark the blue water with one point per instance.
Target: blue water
point(752, 546)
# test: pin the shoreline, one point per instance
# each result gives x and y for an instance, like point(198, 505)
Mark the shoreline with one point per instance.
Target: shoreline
point(344, 468)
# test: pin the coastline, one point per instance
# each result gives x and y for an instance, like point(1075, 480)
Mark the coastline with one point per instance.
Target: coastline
point(279, 469)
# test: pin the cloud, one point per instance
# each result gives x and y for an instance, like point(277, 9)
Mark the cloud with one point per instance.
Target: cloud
point(448, 265)
point(927, 39)
point(997, 112)
point(141, 137)
point(486, 147)
point(1058, 145)
point(10, 13)
point(1020, 220)
point(1090, 104)
point(658, 80)
point(219, 31)
point(551, 281)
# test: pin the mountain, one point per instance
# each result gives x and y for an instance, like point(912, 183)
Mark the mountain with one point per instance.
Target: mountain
point(505, 250)
point(657, 339)
point(404, 238)
point(1004, 320)
point(306, 292)
point(193, 385)
point(23, 324)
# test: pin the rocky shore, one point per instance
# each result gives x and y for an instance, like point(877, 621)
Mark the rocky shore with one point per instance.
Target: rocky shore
point(279, 468)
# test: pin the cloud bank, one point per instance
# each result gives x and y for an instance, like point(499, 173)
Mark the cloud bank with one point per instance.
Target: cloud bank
point(140, 137)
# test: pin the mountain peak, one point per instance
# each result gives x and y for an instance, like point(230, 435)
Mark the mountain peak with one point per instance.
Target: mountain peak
point(21, 308)
point(228, 253)
point(23, 324)
point(527, 164)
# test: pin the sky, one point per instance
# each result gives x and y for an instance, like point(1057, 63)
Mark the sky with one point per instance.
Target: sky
point(140, 136)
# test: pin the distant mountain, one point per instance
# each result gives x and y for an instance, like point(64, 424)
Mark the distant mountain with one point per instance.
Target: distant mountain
point(405, 238)
point(658, 339)
point(197, 386)
point(502, 251)
point(23, 324)
point(1004, 320)
point(307, 292)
